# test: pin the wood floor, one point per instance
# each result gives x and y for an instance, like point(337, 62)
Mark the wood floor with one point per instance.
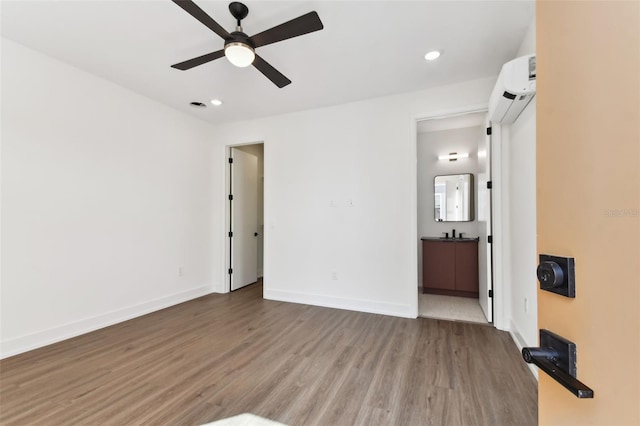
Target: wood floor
point(223, 355)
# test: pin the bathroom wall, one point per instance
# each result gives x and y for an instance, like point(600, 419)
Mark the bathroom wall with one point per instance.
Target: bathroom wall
point(430, 146)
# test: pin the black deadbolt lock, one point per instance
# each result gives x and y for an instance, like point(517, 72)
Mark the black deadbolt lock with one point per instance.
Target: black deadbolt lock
point(557, 274)
point(550, 274)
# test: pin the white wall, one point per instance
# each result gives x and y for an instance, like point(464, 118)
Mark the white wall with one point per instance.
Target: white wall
point(520, 152)
point(105, 194)
point(318, 163)
point(430, 145)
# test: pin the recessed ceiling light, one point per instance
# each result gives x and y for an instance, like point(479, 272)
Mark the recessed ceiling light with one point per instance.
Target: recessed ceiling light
point(198, 105)
point(433, 55)
point(216, 102)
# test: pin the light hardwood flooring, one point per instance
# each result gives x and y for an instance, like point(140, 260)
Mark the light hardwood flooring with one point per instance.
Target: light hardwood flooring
point(223, 355)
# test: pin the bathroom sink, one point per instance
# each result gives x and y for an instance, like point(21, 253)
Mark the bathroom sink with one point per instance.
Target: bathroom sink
point(450, 239)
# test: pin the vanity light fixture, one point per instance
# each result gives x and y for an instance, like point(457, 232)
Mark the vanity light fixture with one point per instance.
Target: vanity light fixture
point(432, 56)
point(453, 156)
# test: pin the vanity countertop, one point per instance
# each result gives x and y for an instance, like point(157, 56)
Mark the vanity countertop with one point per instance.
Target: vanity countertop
point(445, 240)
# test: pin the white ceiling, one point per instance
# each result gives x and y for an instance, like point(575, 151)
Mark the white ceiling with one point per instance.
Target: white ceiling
point(367, 48)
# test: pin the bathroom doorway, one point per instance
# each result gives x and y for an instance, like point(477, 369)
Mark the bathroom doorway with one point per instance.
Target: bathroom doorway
point(454, 218)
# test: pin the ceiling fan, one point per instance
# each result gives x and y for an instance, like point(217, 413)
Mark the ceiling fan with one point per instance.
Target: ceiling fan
point(239, 48)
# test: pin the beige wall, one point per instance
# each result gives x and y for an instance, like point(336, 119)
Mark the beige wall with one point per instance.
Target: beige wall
point(588, 162)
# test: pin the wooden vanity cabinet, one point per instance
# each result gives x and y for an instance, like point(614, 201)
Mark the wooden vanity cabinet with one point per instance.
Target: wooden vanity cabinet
point(450, 267)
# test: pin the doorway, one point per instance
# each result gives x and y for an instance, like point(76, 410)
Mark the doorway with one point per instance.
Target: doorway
point(454, 218)
point(245, 224)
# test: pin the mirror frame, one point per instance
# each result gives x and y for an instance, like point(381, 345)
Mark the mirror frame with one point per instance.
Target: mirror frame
point(471, 198)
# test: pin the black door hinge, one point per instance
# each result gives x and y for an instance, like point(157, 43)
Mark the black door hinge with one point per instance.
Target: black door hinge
point(490, 293)
point(490, 239)
point(230, 197)
point(230, 271)
point(230, 160)
point(489, 185)
point(230, 234)
point(488, 131)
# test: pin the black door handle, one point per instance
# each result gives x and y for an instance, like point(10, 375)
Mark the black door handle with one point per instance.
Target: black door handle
point(255, 234)
point(574, 385)
point(556, 356)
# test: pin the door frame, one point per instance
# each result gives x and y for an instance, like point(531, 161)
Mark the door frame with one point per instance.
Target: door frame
point(500, 299)
point(226, 287)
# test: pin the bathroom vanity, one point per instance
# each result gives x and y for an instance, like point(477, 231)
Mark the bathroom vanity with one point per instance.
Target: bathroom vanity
point(450, 266)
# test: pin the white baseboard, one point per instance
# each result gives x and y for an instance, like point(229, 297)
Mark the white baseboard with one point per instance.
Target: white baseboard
point(520, 343)
point(42, 338)
point(218, 287)
point(359, 305)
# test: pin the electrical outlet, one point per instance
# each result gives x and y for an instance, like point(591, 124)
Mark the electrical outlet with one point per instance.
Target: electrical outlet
point(334, 276)
point(526, 305)
point(180, 271)
point(350, 202)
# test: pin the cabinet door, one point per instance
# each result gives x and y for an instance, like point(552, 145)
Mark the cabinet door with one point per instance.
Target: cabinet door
point(438, 265)
point(467, 266)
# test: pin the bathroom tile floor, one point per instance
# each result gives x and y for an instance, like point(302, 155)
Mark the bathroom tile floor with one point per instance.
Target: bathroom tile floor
point(450, 308)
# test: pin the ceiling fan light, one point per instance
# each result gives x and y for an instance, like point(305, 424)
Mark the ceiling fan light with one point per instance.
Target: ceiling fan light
point(239, 54)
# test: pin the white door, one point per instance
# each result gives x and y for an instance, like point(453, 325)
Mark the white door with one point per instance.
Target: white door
point(484, 227)
point(244, 219)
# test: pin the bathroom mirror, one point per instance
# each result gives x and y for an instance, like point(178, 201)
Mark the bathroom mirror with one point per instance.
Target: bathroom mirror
point(453, 198)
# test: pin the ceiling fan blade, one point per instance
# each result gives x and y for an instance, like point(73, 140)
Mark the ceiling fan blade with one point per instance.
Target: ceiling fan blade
point(192, 9)
point(270, 72)
point(301, 25)
point(199, 60)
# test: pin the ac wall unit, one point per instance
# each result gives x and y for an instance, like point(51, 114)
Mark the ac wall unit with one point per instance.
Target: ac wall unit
point(515, 88)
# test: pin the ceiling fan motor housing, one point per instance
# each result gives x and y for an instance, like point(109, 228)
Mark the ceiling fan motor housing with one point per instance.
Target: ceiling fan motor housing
point(239, 37)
